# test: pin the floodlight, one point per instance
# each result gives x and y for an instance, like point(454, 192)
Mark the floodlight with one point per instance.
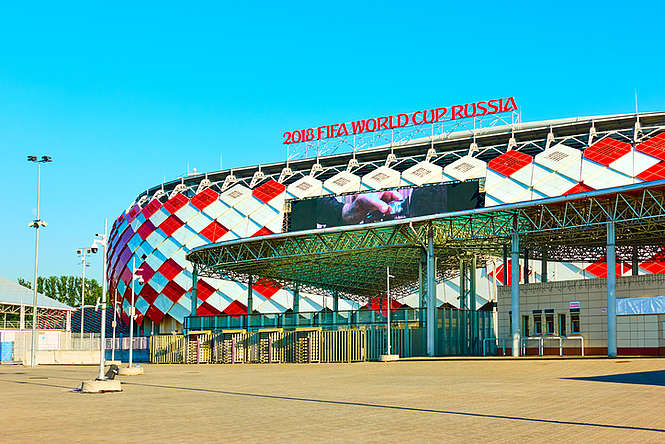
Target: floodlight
point(32, 158)
point(46, 159)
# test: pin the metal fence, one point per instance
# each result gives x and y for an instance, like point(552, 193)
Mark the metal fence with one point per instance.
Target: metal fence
point(458, 333)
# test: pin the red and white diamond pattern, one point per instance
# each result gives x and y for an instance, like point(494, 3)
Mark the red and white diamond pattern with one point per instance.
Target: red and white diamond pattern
point(158, 235)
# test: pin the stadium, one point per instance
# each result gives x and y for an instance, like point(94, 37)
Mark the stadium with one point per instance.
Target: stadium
point(215, 230)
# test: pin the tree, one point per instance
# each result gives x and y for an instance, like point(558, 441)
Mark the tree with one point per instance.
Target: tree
point(67, 289)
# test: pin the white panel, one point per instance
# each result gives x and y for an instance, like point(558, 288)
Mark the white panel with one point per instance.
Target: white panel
point(549, 183)
point(563, 159)
point(216, 209)
point(505, 189)
point(466, 168)
point(264, 215)
point(235, 195)
point(633, 163)
point(248, 206)
point(423, 173)
point(598, 176)
point(342, 182)
point(305, 187)
point(159, 217)
point(246, 228)
point(230, 218)
point(183, 234)
point(199, 222)
point(186, 212)
point(382, 177)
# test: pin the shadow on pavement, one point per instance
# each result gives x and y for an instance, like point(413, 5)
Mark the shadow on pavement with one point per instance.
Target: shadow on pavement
point(655, 377)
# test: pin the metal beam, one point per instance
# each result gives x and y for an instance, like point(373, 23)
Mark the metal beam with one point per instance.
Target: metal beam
point(611, 293)
point(515, 293)
point(431, 297)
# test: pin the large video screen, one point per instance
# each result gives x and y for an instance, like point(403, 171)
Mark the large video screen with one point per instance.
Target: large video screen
point(377, 206)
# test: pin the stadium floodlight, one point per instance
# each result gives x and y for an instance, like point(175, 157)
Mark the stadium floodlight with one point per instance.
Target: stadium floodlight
point(36, 224)
point(82, 252)
point(100, 240)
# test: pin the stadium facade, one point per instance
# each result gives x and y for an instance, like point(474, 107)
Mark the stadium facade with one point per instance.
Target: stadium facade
point(513, 163)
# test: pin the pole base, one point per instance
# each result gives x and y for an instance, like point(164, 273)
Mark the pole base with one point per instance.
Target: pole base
point(101, 386)
point(388, 358)
point(130, 371)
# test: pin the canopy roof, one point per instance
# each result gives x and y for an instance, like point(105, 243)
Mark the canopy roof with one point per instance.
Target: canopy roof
point(12, 293)
point(352, 260)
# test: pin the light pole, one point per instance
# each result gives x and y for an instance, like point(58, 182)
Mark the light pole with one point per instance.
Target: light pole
point(388, 276)
point(115, 303)
point(100, 239)
point(135, 277)
point(36, 223)
point(82, 252)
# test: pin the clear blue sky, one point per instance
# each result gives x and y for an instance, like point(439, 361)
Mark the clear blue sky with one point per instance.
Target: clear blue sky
point(122, 96)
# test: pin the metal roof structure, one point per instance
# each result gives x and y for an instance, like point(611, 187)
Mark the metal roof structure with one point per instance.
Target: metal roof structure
point(12, 293)
point(352, 260)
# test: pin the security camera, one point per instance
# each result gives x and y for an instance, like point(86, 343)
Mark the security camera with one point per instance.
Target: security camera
point(94, 249)
point(141, 281)
point(79, 251)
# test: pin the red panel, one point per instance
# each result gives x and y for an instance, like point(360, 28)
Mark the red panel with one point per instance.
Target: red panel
point(203, 290)
point(173, 291)
point(146, 229)
point(499, 273)
point(131, 214)
point(654, 147)
point(146, 271)
point(206, 309)
point(171, 224)
point(266, 288)
point(126, 276)
point(214, 231)
point(380, 305)
point(204, 198)
point(268, 191)
point(148, 293)
point(579, 188)
point(170, 269)
point(154, 314)
point(151, 208)
point(599, 269)
point(653, 267)
point(510, 162)
point(656, 172)
point(236, 308)
point(262, 232)
point(175, 203)
point(607, 151)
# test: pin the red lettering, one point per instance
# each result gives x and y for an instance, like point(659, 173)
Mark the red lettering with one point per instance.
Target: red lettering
point(440, 112)
point(358, 126)
point(319, 131)
point(342, 131)
point(287, 138)
point(457, 112)
point(373, 125)
point(413, 118)
point(482, 108)
point(425, 120)
point(510, 104)
point(310, 134)
point(493, 108)
point(383, 123)
point(466, 110)
point(293, 137)
point(399, 120)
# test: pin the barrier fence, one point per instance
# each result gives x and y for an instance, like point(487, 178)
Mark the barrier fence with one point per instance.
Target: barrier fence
point(458, 332)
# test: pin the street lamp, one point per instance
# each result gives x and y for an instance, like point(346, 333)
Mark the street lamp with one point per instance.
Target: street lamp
point(135, 277)
point(100, 239)
point(388, 276)
point(36, 224)
point(82, 252)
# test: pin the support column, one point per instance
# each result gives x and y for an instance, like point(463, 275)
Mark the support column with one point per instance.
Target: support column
point(515, 287)
point(611, 292)
point(296, 302)
point(636, 265)
point(335, 301)
point(250, 298)
point(431, 296)
point(21, 323)
point(505, 264)
point(462, 284)
point(472, 306)
point(422, 288)
point(194, 301)
point(526, 266)
point(68, 321)
point(543, 266)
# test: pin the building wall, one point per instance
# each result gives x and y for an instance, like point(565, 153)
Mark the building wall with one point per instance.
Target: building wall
point(636, 334)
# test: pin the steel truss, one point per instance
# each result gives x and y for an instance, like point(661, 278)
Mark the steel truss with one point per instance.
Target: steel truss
point(352, 260)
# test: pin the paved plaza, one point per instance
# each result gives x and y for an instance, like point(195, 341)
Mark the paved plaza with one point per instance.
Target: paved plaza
point(445, 400)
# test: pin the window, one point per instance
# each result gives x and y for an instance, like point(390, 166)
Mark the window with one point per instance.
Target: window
point(525, 326)
point(562, 324)
point(537, 324)
point(549, 323)
point(575, 322)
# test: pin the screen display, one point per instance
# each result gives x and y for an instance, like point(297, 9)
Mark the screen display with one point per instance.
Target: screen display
point(377, 206)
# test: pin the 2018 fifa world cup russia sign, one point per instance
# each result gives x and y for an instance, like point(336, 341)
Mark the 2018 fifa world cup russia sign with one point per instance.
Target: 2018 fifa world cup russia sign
point(434, 115)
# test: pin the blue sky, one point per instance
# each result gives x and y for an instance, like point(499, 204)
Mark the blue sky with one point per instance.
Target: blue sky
point(122, 96)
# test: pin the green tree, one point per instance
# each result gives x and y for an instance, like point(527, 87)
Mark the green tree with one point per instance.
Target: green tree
point(67, 289)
